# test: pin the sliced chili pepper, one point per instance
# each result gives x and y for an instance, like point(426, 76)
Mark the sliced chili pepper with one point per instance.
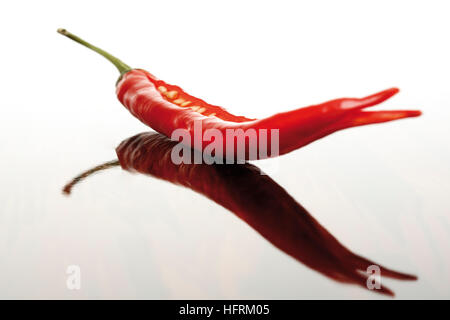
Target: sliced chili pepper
point(256, 199)
point(166, 107)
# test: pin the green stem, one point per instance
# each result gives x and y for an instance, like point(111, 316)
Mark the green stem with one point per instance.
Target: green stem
point(122, 67)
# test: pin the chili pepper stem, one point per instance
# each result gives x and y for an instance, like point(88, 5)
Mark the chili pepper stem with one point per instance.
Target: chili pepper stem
point(110, 164)
point(121, 66)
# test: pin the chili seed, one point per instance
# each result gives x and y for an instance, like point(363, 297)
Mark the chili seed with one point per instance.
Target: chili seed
point(178, 101)
point(172, 94)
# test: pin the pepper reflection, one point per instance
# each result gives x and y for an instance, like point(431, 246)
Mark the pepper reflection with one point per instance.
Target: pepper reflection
point(256, 199)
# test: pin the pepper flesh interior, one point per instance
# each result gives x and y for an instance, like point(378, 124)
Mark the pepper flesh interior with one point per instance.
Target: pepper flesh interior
point(174, 97)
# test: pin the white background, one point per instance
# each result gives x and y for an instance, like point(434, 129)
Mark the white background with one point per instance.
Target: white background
point(382, 190)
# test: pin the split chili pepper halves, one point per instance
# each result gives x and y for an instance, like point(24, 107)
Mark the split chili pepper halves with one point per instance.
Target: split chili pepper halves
point(166, 108)
point(256, 199)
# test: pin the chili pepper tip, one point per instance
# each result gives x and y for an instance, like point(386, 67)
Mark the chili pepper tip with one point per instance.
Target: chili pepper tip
point(375, 99)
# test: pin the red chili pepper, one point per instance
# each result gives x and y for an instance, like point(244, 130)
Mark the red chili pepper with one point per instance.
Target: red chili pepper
point(166, 107)
point(256, 199)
